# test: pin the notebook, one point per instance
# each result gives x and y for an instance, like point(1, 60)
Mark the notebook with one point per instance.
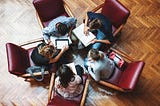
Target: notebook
point(60, 43)
point(79, 33)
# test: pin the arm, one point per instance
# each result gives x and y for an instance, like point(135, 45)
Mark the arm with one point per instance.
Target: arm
point(102, 41)
point(71, 24)
point(59, 55)
point(86, 28)
point(70, 30)
point(96, 75)
point(78, 79)
point(46, 36)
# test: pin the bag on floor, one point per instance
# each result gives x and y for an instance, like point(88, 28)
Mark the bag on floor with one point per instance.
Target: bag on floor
point(34, 69)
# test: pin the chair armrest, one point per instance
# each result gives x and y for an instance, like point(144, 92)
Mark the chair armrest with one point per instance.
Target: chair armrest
point(84, 93)
point(111, 86)
point(51, 85)
point(97, 8)
point(121, 53)
point(31, 42)
point(118, 30)
point(68, 10)
point(35, 74)
point(39, 21)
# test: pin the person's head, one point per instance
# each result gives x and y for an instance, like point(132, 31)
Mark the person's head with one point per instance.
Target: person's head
point(47, 51)
point(95, 24)
point(94, 54)
point(65, 74)
point(62, 28)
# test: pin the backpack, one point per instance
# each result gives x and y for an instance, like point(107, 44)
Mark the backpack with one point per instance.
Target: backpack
point(118, 60)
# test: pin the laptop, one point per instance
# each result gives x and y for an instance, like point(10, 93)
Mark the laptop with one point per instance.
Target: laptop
point(60, 43)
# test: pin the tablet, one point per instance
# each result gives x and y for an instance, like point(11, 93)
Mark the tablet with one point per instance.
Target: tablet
point(61, 42)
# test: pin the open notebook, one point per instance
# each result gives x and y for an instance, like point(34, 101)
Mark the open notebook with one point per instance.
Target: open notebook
point(79, 33)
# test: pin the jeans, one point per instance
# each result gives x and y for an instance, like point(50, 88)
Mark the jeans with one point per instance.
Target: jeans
point(100, 36)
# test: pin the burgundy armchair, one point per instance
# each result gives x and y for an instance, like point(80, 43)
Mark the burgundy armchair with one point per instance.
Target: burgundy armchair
point(116, 12)
point(19, 59)
point(56, 100)
point(47, 10)
point(125, 80)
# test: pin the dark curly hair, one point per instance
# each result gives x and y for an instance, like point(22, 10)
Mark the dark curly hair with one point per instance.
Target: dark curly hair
point(65, 74)
point(62, 28)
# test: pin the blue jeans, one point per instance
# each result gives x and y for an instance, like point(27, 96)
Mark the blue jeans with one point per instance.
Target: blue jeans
point(100, 36)
point(85, 63)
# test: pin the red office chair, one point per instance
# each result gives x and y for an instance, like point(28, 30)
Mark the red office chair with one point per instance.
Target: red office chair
point(125, 80)
point(19, 59)
point(116, 12)
point(47, 10)
point(55, 100)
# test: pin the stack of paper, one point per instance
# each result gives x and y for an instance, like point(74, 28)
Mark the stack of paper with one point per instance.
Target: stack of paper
point(79, 32)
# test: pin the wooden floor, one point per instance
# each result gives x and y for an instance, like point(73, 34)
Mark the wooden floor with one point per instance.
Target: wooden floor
point(140, 39)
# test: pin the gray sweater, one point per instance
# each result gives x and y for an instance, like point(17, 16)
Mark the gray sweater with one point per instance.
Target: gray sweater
point(101, 69)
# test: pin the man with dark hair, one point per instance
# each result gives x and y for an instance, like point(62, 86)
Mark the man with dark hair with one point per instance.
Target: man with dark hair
point(62, 28)
point(59, 28)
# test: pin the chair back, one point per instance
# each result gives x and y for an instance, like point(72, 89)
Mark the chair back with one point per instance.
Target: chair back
point(49, 9)
point(115, 12)
point(18, 59)
point(131, 75)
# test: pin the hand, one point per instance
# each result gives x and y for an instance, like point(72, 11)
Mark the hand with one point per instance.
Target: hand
point(69, 34)
point(94, 41)
point(50, 43)
point(64, 48)
point(86, 32)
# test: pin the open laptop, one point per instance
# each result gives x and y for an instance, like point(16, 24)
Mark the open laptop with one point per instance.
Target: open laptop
point(60, 43)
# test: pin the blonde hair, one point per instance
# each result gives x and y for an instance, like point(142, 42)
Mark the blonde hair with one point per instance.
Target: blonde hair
point(47, 51)
point(95, 24)
point(95, 55)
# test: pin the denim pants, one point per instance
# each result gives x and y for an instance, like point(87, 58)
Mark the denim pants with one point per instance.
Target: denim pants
point(100, 36)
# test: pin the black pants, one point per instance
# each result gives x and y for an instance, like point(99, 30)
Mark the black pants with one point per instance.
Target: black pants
point(80, 71)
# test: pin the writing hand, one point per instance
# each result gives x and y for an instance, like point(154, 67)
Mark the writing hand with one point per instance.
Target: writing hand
point(94, 41)
point(86, 32)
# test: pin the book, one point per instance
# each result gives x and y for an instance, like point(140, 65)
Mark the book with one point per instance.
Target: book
point(79, 33)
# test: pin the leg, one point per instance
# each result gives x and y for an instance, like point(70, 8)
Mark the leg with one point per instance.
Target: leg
point(100, 36)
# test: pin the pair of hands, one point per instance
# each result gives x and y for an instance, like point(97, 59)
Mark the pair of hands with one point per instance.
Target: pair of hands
point(86, 32)
point(64, 48)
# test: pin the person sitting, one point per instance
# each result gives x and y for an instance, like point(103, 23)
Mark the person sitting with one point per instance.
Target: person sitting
point(67, 83)
point(45, 54)
point(99, 24)
point(99, 65)
point(59, 28)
